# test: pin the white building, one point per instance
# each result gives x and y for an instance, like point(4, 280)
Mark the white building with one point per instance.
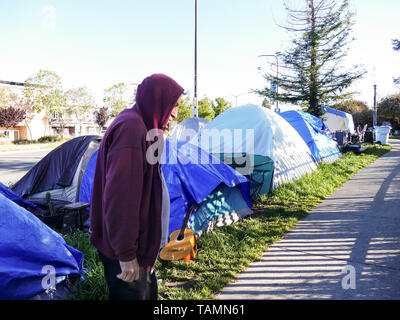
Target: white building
point(37, 125)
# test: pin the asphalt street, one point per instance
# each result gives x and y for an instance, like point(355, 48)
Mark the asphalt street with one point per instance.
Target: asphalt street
point(14, 164)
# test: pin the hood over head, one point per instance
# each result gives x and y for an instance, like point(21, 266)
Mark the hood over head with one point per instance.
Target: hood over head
point(156, 97)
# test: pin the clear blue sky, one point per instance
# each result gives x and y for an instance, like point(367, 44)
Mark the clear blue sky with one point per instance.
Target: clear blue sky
point(99, 43)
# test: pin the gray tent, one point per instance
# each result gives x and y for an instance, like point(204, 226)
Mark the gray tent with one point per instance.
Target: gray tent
point(59, 173)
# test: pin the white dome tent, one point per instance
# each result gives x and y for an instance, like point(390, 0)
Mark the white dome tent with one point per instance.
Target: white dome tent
point(259, 132)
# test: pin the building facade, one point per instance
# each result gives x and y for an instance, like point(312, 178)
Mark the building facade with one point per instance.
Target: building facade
point(38, 124)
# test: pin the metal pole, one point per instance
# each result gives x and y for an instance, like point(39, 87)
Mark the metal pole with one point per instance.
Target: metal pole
point(374, 115)
point(277, 74)
point(195, 100)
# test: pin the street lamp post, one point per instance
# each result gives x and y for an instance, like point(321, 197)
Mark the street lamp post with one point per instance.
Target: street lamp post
point(277, 74)
point(238, 95)
point(195, 100)
point(374, 115)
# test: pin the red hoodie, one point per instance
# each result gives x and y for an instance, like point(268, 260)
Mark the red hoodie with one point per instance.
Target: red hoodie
point(125, 211)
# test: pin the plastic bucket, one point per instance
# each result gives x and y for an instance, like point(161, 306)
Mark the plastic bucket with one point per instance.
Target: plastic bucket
point(382, 134)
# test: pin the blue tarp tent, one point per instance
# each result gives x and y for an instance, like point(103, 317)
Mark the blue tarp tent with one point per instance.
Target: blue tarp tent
point(32, 256)
point(8, 193)
point(311, 129)
point(193, 177)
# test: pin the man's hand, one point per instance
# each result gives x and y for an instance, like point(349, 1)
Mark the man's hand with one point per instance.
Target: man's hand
point(130, 271)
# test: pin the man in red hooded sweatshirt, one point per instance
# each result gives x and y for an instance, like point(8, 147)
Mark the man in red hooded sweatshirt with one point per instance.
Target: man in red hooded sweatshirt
point(126, 205)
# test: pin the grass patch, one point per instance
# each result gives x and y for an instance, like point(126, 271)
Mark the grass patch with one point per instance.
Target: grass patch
point(94, 287)
point(223, 253)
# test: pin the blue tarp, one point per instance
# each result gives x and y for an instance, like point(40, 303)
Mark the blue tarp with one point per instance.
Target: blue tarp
point(191, 174)
point(336, 112)
point(29, 253)
point(311, 129)
point(8, 193)
point(85, 190)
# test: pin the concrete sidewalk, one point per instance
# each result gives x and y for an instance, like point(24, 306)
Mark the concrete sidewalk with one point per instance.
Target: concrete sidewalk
point(347, 248)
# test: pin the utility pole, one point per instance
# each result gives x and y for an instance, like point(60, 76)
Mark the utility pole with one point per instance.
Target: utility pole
point(195, 100)
point(374, 115)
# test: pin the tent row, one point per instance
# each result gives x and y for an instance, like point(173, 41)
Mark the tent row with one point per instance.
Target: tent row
point(258, 147)
point(267, 147)
point(252, 151)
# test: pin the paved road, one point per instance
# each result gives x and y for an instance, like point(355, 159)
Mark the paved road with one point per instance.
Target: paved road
point(347, 248)
point(13, 165)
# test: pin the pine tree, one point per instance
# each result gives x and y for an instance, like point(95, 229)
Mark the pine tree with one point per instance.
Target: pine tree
point(311, 74)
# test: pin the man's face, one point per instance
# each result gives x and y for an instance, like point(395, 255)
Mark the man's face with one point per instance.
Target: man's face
point(174, 113)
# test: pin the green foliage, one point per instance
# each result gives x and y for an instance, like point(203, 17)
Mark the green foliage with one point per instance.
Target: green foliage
point(312, 75)
point(44, 89)
point(185, 109)
point(50, 205)
point(94, 286)
point(220, 106)
point(118, 97)
point(358, 109)
point(389, 110)
point(266, 103)
point(206, 110)
point(25, 141)
point(48, 139)
point(79, 103)
point(4, 98)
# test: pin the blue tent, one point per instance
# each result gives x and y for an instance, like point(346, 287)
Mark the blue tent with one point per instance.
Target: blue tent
point(311, 129)
point(32, 256)
point(193, 177)
point(8, 193)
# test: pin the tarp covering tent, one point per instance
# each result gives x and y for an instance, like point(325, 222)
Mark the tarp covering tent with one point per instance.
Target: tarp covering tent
point(194, 177)
point(262, 137)
point(310, 128)
point(197, 181)
point(8, 193)
point(59, 172)
point(337, 120)
point(186, 129)
point(32, 256)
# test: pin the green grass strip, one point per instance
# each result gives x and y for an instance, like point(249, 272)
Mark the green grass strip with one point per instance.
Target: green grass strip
point(227, 250)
